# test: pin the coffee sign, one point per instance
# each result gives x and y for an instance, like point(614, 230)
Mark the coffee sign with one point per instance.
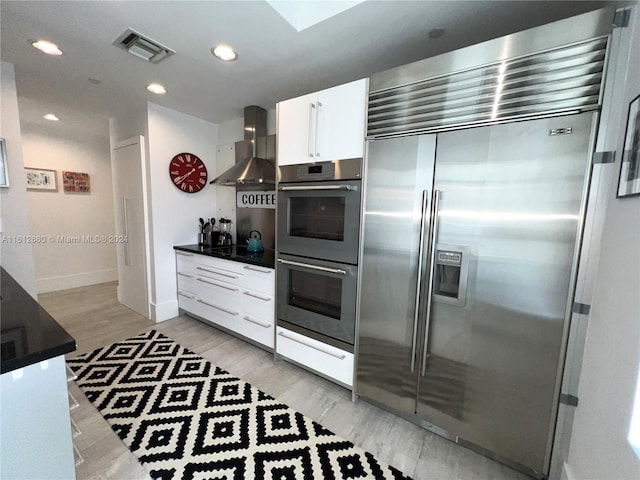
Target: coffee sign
point(256, 199)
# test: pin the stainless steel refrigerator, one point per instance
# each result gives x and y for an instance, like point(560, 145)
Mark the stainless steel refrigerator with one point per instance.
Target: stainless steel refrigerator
point(469, 244)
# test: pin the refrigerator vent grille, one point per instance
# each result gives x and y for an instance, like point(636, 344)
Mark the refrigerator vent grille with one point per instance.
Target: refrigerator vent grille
point(561, 80)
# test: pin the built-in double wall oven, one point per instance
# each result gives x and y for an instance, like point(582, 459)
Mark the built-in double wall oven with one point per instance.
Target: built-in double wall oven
point(318, 224)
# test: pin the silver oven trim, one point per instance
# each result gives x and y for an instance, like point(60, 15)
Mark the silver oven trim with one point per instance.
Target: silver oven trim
point(346, 169)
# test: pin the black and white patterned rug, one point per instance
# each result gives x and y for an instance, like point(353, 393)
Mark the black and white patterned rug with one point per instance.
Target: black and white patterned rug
point(184, 418)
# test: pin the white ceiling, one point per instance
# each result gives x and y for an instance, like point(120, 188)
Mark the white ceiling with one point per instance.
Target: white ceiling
point(275, 61)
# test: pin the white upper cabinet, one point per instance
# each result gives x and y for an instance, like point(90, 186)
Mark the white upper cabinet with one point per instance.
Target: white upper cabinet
point(323, 126)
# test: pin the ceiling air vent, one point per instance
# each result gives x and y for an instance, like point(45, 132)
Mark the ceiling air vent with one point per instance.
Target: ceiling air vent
point(142, 47)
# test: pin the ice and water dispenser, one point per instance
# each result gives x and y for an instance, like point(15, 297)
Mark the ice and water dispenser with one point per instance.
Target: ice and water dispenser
point(451, 272)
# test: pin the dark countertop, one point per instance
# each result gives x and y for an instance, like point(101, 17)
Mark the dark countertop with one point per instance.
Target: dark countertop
point(237, 253)
point(29, 334)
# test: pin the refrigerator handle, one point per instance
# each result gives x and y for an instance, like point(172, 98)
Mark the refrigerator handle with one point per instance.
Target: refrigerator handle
point(423, 224)
point(435, 206)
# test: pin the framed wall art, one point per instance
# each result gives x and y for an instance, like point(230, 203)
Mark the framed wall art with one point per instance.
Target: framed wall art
point(76, 182)
point(41, 179)
point(4, 171)
point(629, 182)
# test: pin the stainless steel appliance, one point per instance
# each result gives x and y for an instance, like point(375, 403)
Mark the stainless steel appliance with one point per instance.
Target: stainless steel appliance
point(318, 229)
point(225, 237)
point(464, 309)
point(319, 210)
point(318, 298)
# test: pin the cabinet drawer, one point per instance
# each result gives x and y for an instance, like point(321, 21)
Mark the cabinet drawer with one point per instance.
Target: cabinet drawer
point(221, 293)
point(325, 359)
point(185, 262)
point(186, 281)
point(227, 266)
point(255, 328)
point(218, 272)
point(259, 279)
point(257, 303)
point(214, 310)
point(186, 300)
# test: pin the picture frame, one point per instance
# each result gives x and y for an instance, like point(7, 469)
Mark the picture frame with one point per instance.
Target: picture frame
point(4, 170)
point(76, 182)
point(629, 180)
point(41, 179)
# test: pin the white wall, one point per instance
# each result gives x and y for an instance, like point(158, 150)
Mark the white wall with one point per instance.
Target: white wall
point(16, 258)
point(174, 213)
point(599, 448)
point(59, 216)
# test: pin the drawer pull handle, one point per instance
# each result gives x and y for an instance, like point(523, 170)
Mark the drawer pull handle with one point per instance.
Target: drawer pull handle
point(230, 312)
point(255, 295)
point(217, 285)
point(310, 345)
point(217, 273)
point(257, 322)
point(256, 269)
point(190, 297)
point(185, 275)
point(185, 254)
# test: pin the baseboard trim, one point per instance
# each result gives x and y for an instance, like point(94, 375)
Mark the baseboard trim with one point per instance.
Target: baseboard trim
point(65, 282)
point(164, 311)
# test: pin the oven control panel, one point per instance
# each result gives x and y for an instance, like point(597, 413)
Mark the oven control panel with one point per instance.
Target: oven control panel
point(346, 169)
point(317, 171)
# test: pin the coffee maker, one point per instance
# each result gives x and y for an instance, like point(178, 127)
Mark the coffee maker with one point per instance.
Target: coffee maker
point(225, 232)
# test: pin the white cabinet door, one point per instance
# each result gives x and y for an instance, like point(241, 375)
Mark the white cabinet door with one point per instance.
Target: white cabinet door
point(341, 121)
point(323, 126)
point(296, 130)
point(127, 160)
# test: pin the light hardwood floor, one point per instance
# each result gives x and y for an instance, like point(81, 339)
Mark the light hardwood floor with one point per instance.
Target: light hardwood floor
point(94, 318)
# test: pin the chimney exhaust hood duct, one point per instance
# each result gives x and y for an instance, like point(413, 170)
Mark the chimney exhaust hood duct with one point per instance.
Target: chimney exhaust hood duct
point(252, 170)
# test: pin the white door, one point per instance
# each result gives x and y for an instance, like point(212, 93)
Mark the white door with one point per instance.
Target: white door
point(127, 165)
point(297, 130)
point(341, 119)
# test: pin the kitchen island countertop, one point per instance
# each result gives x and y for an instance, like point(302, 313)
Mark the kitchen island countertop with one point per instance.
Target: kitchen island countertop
point(236, 253)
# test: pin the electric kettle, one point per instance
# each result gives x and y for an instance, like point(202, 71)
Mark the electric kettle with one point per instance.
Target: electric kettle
point(254, 242)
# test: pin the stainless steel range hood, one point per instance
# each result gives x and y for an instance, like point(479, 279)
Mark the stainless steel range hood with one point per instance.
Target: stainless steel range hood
point(251, 170)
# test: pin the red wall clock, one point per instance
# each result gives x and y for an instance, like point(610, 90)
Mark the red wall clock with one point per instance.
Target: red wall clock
point(188, 172)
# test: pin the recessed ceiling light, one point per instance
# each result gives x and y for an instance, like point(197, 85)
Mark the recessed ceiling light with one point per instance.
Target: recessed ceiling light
point(47, 47)
point(156, 88)
point(224, 52)
point(51, 117)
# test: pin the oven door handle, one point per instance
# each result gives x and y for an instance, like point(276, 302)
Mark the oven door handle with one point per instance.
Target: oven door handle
point(299, 188)
point(313, 267)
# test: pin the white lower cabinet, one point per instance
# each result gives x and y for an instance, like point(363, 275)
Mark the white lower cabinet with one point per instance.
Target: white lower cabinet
point(233, 295)
point(325, 359)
